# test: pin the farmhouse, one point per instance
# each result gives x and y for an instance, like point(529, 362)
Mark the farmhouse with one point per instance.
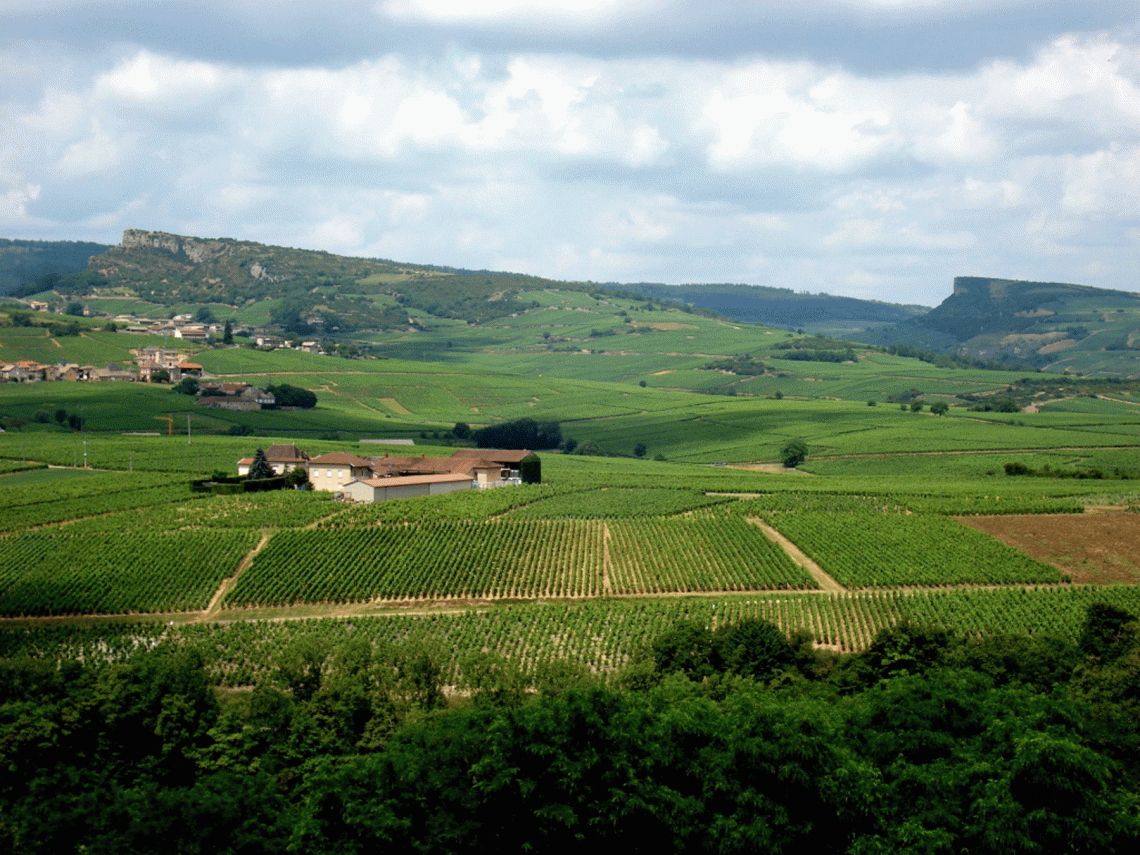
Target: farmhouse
point(332, 471)
point(374, 479)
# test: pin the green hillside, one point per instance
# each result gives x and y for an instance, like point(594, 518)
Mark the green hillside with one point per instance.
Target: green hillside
point(431, 313)
point(783, 307)
point(40, 264)
point(1048, 326)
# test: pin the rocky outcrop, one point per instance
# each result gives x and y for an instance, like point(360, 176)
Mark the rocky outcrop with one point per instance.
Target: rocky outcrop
point(195, 251)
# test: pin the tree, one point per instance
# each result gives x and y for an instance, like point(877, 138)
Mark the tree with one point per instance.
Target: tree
point(794, 453)
point(751, 648)
point(1106, 632)
point(589, 448)
point(939, 408)
point(160, 376)
point(521, 433)
point(292, 396)
point(297, 478)
point(260, 467)
point(462, 430)
point(186, 386)
point(639, 450)
point(228, 334)
point(916, 406)
point(205, 315)
point(687, 647)
point(75, 421)
point(61, 415)
point(74, 308)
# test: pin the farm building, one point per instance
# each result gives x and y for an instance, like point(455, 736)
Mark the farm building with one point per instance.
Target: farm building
point(522, 464)
point(405, 487)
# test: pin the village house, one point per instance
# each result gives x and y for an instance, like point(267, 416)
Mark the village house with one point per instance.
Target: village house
point(192, 332)
point(240, 397)
point(27, 371)
point(270, 342)
point(111, 372)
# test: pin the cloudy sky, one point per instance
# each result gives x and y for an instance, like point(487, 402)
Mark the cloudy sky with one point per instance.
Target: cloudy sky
point(873, 148)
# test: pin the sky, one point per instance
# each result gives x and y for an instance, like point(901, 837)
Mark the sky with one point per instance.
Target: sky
point(867, 148)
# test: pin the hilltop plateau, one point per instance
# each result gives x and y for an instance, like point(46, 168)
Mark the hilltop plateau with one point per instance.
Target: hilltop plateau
point(1051, 326)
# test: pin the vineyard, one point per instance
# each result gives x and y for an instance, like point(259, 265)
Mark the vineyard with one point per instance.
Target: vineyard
point(698, 554)
point(437, 559)
point(617, 503)
point(604, 635)
point(116, 573)
point(864, 550)
point(608, 554)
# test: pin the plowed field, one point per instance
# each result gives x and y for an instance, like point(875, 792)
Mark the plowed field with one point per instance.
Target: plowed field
point(1097, 549)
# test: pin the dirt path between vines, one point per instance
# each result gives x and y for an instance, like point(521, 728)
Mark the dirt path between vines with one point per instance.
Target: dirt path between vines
point(826, 583)
point(607, 567)
point(212, 610)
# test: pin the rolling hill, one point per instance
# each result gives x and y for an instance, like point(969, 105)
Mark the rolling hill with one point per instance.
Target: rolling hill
point(532, 324)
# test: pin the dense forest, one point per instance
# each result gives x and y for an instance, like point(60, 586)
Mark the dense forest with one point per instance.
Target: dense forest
point(737, 739)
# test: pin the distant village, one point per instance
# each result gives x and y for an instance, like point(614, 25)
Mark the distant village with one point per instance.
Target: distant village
point(376, 479)
point(162, 364)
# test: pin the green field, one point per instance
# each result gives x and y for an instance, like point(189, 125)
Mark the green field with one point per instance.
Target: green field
point(620, 539)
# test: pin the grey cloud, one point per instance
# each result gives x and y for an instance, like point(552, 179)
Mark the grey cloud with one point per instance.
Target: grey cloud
point(868, 38)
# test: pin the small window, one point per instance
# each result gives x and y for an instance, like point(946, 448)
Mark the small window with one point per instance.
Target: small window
point(328, 473)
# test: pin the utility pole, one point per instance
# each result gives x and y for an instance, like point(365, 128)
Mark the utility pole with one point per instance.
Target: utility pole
point(84, 454)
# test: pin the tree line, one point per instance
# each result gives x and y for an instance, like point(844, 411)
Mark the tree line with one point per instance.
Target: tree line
point(729, 738)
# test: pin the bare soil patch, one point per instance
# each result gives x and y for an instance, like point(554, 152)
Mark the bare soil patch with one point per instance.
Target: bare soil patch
point(774, 468)
point(395, 406)
point(1094, 549)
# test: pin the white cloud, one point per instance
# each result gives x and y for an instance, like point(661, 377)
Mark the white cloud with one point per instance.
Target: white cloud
point(640, 166)
point(14, 201)
point(1105, 183)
